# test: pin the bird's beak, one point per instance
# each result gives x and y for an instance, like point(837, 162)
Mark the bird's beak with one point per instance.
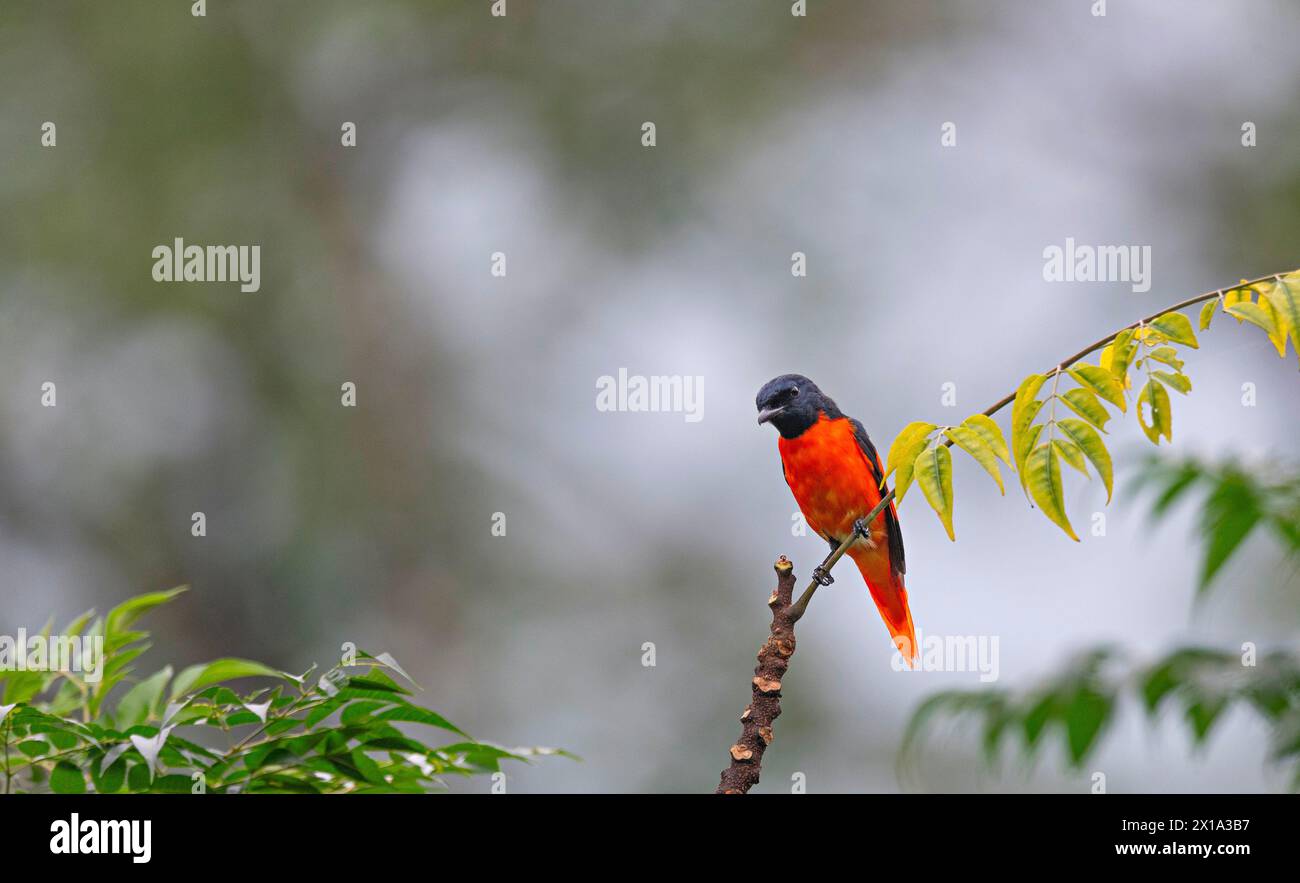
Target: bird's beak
point(767, 414)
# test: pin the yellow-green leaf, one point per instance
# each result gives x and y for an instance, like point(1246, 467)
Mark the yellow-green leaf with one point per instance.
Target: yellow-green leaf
point(1026, 393)
point(1023, 442)
point(1023, 410)
point(1168, 355)
point(1044, 471)
point(1102, 382)
point(1280, 324)
point(972, 443)
point(1087, 406)
point(903, 453)
point(1180, 382)
point(1071, 454)
point(991, 433)
point(1176, 327)
point(1264, 317)
point(1207, 314)
point(934, 475)
point(1237, 296)
point(1161, 423)
point(1029, 440)
point(1117, 356)
point(1092, 446)
point(1285, 299)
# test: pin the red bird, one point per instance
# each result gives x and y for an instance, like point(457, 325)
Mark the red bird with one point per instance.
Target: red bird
point(836, 476)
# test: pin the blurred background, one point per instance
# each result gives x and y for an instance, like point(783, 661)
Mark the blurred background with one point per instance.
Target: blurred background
point(476, 393)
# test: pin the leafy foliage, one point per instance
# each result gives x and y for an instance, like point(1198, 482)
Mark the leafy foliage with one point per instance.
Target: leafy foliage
point(1236, 501)
point(1078, 703)
point(1040, 446)
point(192, 731)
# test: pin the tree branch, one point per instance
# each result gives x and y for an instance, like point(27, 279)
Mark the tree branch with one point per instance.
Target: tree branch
point(774, 656)
point(765, 705)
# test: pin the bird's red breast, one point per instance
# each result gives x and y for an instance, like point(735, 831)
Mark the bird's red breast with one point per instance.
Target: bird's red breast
point(830, 476)
point(835, 484)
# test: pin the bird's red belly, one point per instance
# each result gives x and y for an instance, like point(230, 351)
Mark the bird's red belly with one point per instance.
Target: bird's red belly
point(829, 477)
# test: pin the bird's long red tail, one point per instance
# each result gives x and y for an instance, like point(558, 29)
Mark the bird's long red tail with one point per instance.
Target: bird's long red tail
point(890, 597)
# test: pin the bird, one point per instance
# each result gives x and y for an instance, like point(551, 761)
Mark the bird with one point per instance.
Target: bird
point(837, 478)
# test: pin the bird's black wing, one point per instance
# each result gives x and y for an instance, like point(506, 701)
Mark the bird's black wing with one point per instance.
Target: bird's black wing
point(893, 531)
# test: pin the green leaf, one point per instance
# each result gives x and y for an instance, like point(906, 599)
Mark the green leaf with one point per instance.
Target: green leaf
point(1180, 382)
point(1084, 403)
point(416, 714)
point(1176, 327)
point(1203, 713)
point(903, 453)
point(1161, 423)
point(1159, 683)
point(1039, 715)
point(1043, 469)
point(1085, 717)
point(934, 475)
point(1207, 313)
point(1178, 482)
point(35, 747)
point(1089, 441)
point(142, 700)
point(355, 712)
point(1231, 513)
point(67, 779)
point(78, 625)
point(124, 615)
point(196, 677)
point(1101, 382)
point(972, 443)
point(991, 433)
point(110, 780)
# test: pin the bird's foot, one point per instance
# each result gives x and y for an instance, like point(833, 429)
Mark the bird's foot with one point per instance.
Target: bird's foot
point(861, 529)
point(822, 576)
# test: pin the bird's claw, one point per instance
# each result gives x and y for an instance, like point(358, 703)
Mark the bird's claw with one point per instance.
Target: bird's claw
point(860, 528)
point(822, 576)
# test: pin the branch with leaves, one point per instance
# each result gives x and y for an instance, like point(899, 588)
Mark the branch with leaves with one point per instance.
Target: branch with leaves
point(192, 732)
point(1078, 394)
point(920, 452)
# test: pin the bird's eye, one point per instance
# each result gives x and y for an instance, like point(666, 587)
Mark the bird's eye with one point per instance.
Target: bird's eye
point(793, 391)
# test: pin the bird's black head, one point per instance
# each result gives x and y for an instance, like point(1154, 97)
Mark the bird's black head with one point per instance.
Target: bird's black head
point(792, 403)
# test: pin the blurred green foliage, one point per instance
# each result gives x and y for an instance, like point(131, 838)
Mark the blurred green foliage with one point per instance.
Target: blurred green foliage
point(336, 733)
point(1079, 702)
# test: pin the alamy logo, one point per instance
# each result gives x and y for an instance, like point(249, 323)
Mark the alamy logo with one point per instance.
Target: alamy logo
point(66, 653)
point(953, 653)
point(90, 837)
point(662, 392)
point(179, 262)
point(1100, 263)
